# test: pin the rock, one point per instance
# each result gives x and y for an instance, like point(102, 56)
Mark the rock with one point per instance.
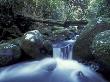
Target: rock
point(47, 47)
point(47, 33)
point(33, 44)
point(56, 33)
point(82, 47)
point(62, 34)
point(9, 53)
point(101, 50)
point(101, 44)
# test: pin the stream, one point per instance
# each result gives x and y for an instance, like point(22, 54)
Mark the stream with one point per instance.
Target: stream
point(63, 50)
point(60, 68)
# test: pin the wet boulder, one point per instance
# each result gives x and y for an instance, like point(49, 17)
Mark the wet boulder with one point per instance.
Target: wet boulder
point(101, 44)
point(47, 48)
point(33, 44)
point(82, 47)
point(9, 53)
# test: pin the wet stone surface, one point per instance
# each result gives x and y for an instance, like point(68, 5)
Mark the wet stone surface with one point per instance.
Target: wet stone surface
point(9, 53)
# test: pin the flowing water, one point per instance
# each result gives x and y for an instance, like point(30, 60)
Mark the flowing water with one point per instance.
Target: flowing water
point(64, 49)
point(49, 70)
point(60, 68)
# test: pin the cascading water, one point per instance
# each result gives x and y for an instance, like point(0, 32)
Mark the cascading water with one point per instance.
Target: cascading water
point(63, 50)
point(55, 69)
point(49, 70)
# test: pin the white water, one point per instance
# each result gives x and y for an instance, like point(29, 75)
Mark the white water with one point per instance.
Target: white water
point(63, 49)
point(55, 69)
point(49, 70)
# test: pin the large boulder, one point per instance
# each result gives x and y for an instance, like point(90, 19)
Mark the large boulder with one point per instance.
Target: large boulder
point(47, 48)
point(33, 44)
point(101, 51)
point(82, 47)
point(101, 44)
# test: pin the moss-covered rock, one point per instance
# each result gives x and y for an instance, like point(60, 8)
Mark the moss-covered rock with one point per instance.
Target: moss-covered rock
point(101, 51)
point(101, 46)
point(82, 47)
point(101, 43)
point(56, 33)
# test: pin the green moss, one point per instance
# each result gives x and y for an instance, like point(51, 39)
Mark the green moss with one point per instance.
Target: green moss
point(101, 43)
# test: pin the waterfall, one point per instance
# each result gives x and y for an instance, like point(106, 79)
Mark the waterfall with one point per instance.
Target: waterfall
point(55, 69)
point(63, 49)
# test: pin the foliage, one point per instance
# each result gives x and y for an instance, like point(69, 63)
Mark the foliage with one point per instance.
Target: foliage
point(94, 7)
point(95, 10)
point(61, 9)
point(12, 25)
point(98, 9)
